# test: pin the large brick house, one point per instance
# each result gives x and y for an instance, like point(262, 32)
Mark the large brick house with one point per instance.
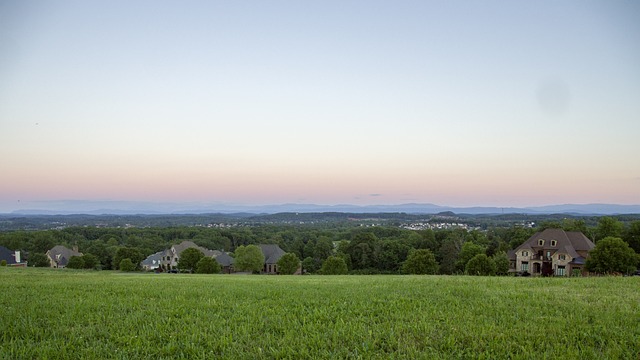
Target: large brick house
point(552, 252)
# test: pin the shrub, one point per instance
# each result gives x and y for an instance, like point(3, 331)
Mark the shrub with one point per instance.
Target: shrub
point(334, 265)
point(481, 265)
point(126, 265)
point(189, 259)
point(38, 260)
point(3, 263)
point(76, 262)
point(207, 265)
point(421, 261)
point(288, 264)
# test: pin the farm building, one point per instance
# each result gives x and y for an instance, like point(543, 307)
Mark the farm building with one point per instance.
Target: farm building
point(12, 258)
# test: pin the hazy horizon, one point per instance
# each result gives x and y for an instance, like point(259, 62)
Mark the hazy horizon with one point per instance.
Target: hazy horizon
point(492, 103)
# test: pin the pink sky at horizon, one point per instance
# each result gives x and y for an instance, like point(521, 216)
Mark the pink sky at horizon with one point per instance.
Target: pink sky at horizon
point(456, 104)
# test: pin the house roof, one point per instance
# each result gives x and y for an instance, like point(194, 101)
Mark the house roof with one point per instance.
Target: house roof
point(272, 253)
point(224, 259)
point(62, 254)
point(153, 259)
point(568, 242)
point(179, 248)
point(8, 255)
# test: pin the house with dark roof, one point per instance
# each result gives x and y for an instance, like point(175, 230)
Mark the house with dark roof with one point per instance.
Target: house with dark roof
point(168, 259)
point(552, 252)
point(59, 255)
point(152, 262)
point(272, 253)
point(12, 258)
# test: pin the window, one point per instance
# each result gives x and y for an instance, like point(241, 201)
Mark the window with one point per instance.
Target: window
point(540, 242)
point(525, 253)
point(562, 257)
point(553, 243)
point(560, 271)
point(525, 266)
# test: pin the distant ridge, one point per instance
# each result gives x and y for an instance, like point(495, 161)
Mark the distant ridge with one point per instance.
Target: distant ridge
point(151, 208)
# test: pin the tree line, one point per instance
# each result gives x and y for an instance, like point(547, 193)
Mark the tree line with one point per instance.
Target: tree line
point(320, 249)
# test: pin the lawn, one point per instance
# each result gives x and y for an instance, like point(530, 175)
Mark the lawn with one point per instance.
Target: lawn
point(59, 314)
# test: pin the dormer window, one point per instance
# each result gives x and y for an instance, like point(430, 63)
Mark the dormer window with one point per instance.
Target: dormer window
point(540, 242)
point(525, 253)
point(562, 257)
point(553, 243)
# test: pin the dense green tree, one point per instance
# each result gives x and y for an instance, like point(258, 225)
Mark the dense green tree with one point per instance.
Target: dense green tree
point(310, 265)
point(90, 261)
point(420, 261)
point(189, 258)
point(126, 265)
point(207, 265)
point(632, 236)
point(42, 242)
point(481, 265)
point(502, 263)
point(323, 248)
point(249, 258)
point(76, 262)
point(38, 260)
point(448, 254)
point(612, 255)
point(334, 265)
point(132, 254)
point(467, 252)
point(288, 264)
point(608, 226)
point(102, 252)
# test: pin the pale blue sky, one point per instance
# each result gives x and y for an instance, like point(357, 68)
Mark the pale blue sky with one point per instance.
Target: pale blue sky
point(457, 103)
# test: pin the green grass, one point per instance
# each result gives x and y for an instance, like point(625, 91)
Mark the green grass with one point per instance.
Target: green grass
point(58, 314)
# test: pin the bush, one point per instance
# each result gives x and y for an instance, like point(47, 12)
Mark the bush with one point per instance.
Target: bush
point(3, 263)
point(76, 262)
point(288, 264)
point(189, 259)
point(207, 265)
point(481, 265)
point(90, 261)
point(612, 255)
point(38, 260)
point(126, 265)
point(334, 265)
point(421, 261)
point(249, 258)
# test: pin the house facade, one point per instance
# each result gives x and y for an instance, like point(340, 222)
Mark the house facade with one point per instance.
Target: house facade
point(272, 253)
point(552, 252)
point(59, 255)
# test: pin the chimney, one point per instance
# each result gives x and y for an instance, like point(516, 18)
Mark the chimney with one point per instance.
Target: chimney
point(17, 256)
point(75, 248)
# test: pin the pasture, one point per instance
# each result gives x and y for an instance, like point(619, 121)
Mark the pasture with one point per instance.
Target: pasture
point(65, 314)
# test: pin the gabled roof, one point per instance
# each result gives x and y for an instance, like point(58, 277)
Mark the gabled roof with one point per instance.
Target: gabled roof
point(179, 248)
point(8, 255)
point(565, 241)
point(224, 259)
point(61, 254)
point(153, 259)
point(272, 253)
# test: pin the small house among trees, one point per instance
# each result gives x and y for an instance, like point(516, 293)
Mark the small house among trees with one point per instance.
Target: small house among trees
point(59, 255)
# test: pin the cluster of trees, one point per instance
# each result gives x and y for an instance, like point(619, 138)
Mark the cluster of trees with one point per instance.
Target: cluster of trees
point(327, 249)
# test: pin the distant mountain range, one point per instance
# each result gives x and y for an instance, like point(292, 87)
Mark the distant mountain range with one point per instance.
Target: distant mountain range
point(132, 208)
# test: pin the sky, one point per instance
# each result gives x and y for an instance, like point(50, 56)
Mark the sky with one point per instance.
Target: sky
point(457, 103)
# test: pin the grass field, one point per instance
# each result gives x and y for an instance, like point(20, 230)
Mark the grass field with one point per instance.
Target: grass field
point(59, 314)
